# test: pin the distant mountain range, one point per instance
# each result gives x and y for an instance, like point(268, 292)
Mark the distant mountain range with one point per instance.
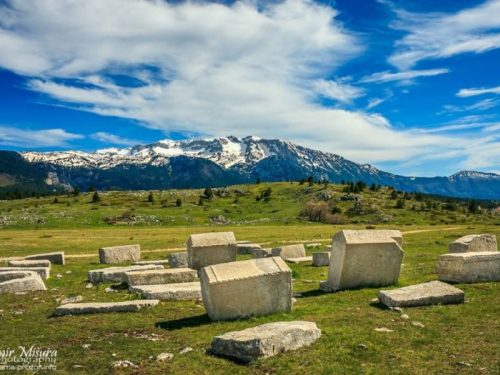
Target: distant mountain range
point(215, 162)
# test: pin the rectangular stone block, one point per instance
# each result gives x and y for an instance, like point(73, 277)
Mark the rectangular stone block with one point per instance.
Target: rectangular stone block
point(54, 258)
point(162, 262)
point(117, 274)
point(469, 267)
point(178, 260)
point(20, 282)
point(321, 259)
point(431, 293)
point(120, 254)
point(102, 308)
point(474, 243)
point(247, 288)
point(299, 260)
point(290, 251)
point(207, 249)
point(43, 272)
point(156, 277)
point(261, 253)
point(265, 340)
point(169, 292)
point(364, 258)
point(29, 263)
point(246, 249)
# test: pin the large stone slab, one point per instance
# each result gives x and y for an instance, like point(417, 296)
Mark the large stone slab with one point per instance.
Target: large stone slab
point(54, 258)
point(290, 251)
point(207, 249)
point(300, 260)
point(103, 307)
point(178, 260)
point(158, 277)
point(265, 340)
point(364, 258)
point(321, 259)
point(43, 272)
point(29, 263)
point(469, 267)
point(20, 282)
point(120, 254)
point(261, 253)
point(247, 248)
point(169, 292)
point(431, 293)
point(474, 243)
point(117, 274)
point(162, 262)
point(247, 288)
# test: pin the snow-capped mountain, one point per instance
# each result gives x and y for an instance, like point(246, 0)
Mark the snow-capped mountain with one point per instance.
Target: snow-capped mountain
point(218, 162)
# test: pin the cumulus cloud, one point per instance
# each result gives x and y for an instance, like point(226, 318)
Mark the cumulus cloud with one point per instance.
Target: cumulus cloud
point(10, 136)
point(114, 139)
point(463, 93)
point(407, 76)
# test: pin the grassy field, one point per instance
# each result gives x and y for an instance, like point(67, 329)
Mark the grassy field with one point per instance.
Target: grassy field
point(453, 339)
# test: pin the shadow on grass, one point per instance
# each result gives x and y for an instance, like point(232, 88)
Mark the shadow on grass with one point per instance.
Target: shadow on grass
point(379, 305)
point(312, 293)
point(236, 361)
point(193, 321)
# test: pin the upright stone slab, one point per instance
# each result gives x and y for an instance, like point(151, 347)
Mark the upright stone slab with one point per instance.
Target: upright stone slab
point(261, 253)
point(43, 272)
point(265, 340)
point(474, 243)
point(29, 263)
point(247, 288)
point(169, 292)
point(178, 260)
point(20, 282)
point(290, 251)
point(54, 258)
point(157, 277)
point(103, 307)
point(469, 267)
point(117, 274)
point(363, 258)
point(211, 248)
point(431, 293)
point(120, 254)
point(247, 248)
point(321, 259)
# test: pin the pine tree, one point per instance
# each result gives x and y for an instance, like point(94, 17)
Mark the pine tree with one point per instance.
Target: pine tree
point(178, 202)
point(208, 193)
point(310, 180)
point(151, 197)
point(258, 181)
point(95, 197)
point(56, 200)
point(200, 202)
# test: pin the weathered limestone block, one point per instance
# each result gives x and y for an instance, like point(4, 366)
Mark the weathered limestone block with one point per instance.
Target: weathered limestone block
point(290, 251)
point(43, 272)
point(149, 262)
point(364, 258)
point(169, 292)
point(120, 254)
point(247, 248)
point(474, 243)
point(248, 288)
point(300, 260)
point(265, 340)
point(158, 277)
point(54, 258)
point(117, 274)
point(261, 253)
point(243, 242)
point(29, 263)
point(469, 267)
point(207, 249)
point(20, 282)
point(102, 308)
point(431, 293)
point(178, 260)
point(321, 259)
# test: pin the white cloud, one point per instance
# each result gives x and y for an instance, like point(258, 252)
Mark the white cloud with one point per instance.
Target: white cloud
point(337, 90)
point(114, 139)
point(407, 76)
point(373, 102)
point(481, 105)
point(439, 35)
point(36, 138)
point(463, 93)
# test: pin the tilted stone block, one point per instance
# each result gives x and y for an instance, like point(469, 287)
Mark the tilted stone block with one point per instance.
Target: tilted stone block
point(247, 288)
point(178, 260)
point(157, 277)
point(290, 251)
point(261, 253)
point(431, 293)
point(169, 292)
point(104, 307)
point(162, 262)
point(265, 340)
point(120, 254)
point(207, 249)
point(54, 258)
point(469, 267)
point(20, 281)
point(43, 272)
point(29, 263)
point(246, 249)
point(117, 274)
point(321, 259)
point(364, 258)
point(474, 243)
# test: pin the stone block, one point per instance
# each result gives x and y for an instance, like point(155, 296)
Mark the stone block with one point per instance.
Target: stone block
point(178, 260)
point(117, 274)
point(207, 249)
point(162, 262)
point(54, 258)
point(43, 272)
point(290, 251)
point(120, 254)
point(469, 267)
point(431, 293)
point(103, 307)
point(169, 292)
point(247, 249)
point(474, 243)
point(247, 288)
point(261, 253)
point(20, 282)
point(364, 258)
point(265, 340)
point(243, 242)
point(300, 260)
point(158, 277)
point(29, 263)
point(321, 259)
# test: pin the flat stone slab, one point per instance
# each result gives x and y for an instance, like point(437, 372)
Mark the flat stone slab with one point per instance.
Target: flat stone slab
point(149, 262)
point(321, 259)
point(300, 260)
point(247, 249)
point(104, 307)
point(20, 282)
point(43, 272)
point(117, 274)
point(169, 292)
point(54, 258)
point(206, 249)
point(29, 263)
point(265, 340)
point(431, 293)
point(178, 260)
point(474, 243)
point(158, 277)
point(290, 251)
point(469, 267)
point(120, 254)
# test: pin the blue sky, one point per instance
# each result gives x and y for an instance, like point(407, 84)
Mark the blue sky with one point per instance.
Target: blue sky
point(412, 87)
